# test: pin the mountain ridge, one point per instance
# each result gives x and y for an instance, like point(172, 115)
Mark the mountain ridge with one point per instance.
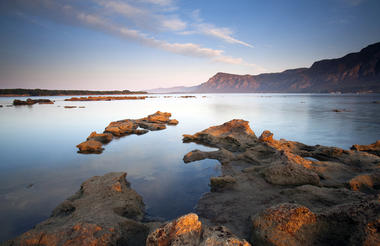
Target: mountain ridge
point(352, 73)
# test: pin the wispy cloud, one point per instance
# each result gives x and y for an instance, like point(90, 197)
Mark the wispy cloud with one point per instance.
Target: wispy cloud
point(110, 16)
point(202, 27)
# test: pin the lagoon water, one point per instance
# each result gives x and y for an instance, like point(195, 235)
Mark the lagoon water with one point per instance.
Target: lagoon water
point(39, 165)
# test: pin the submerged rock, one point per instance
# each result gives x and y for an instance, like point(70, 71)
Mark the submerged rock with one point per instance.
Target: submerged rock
point(188, 230)
point(105, 211)
point(153, 122)
point(291, 191)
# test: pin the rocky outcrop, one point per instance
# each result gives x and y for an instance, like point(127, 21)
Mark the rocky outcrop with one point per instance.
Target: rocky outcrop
point(188, 230)
point(291, 192)
point(292, 224)
point(105, 211)
point(30, 101)
point(153, 122)
point(105, 98)
point(371, 148)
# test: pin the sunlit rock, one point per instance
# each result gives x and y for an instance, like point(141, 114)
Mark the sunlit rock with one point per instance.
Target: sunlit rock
point(188, 230)
point(105, 211)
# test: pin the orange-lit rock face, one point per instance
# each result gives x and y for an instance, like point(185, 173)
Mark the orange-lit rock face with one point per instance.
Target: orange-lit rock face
point(281, 224)
point(233, 135)
point(105, 211)
point(153, 122)
point(371, 148)
point(365, 182)
point(267, 172)
point(188, 230)
point(101, 137)
point(90, 146)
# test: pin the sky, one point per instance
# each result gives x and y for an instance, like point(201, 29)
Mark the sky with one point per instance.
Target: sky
point(145, 44)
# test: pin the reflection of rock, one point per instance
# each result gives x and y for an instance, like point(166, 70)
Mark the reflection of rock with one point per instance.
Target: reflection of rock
point(188, 230)
point(105, 211)
point(292, 191)
point(30, 101)
point(371, 148)
point(153, 122)
point(70, 106)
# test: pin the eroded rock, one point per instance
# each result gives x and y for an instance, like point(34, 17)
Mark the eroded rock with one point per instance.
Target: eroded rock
point(153, 122)
point(313, 181)
point(101, 137)
point(105, 211)
point(90, 146)
point(188, 230)
point(371, 148)
point(285, 224)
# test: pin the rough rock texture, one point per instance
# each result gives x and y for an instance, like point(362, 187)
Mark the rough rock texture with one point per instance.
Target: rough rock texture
point(90, 146)
point(153, 122)
point(310, 187)
point(371, 148)
point(30, 101)
point(105, 211)
point(284, 224)
point(188, 230)
point(101, 137)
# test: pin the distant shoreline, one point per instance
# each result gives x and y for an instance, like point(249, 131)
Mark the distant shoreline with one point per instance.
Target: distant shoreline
point(44, 92)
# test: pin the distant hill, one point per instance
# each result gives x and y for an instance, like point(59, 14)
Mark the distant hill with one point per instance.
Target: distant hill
point(174, 89)
point(355, 72)
point(43, 92)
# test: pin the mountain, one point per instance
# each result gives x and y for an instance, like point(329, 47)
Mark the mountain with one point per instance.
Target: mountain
point(174, 89)
point(355, 72)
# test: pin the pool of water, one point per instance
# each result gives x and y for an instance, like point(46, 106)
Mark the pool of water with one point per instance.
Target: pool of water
point(39, 165)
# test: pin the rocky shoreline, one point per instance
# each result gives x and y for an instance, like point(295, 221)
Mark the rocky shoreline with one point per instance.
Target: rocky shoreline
point(105, 98)
point(271, 192)
point(30, 101)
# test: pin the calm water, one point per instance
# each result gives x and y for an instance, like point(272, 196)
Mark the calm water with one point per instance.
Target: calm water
point(39, 166)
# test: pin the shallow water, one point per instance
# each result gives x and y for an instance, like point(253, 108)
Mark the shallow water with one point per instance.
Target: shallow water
point(39, 165)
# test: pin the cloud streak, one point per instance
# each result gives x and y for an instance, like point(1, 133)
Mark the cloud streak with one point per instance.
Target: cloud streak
point(71, 12)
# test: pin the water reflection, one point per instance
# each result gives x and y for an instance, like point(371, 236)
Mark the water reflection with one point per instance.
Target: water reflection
point(39, 166)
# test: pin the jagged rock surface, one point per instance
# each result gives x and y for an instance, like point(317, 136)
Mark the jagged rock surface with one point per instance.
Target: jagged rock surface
point(188, 230)
point(105, 211)
point(320, 181)
point(153, 122)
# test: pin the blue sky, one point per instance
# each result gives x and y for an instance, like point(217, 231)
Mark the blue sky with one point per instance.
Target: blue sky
point(143, 44)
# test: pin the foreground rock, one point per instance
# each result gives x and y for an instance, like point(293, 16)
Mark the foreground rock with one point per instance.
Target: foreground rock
point(188, 230)
point(30, 101)
point(279, 192)
point(153, 122)
point(105, 211)
point(105, 98)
